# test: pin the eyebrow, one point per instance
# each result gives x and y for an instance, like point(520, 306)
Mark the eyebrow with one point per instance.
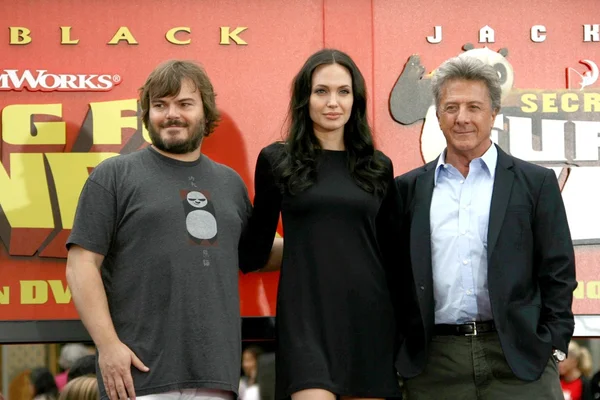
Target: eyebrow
point(161, 100)
point(323, 85)
point(466, 102)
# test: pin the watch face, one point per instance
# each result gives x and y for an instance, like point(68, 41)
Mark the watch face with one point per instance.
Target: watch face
point(559, 355)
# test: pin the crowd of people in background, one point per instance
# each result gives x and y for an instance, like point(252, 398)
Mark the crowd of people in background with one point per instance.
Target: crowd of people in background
point(76, 381)
point(43, 384)
point(576, 375)
point(69, 355)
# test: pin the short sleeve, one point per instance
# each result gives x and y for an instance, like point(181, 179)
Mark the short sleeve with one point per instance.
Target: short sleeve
point(95, 218)
point(246, 207)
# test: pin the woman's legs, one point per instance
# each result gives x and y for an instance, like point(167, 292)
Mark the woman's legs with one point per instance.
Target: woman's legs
point(313, 394)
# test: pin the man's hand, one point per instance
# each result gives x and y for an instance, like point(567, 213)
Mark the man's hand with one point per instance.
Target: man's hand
point(115, 362)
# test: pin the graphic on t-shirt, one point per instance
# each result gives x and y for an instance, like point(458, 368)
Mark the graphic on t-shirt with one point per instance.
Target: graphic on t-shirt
point(200, 220)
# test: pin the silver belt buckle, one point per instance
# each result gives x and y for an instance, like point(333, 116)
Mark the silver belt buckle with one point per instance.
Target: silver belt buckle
point(474, 324)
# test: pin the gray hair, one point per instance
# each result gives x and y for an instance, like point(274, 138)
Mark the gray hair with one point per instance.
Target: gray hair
point(470, 69)
point(70, 353)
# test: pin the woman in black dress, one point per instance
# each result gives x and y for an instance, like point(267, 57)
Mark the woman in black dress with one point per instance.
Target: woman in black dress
point(336, 325)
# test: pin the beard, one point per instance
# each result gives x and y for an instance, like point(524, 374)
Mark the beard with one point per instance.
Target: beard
point(178, 146)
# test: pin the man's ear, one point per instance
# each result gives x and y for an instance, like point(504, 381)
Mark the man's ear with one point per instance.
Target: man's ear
point(494, 114)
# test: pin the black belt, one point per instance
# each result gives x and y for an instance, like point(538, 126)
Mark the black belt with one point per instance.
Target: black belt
point(468, 329)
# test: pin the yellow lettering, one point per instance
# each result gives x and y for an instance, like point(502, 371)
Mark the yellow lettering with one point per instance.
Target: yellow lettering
point(5, 295)
point(70, 171)
point(62, 294)
point(172, 32)
point(593, 290)
point(17, 128)
point(569, 102)
point(529, 103)
point(24, 196)
point(65, 36)
point(227, 35)
point(549, 102)
point(34, 292)
point(108, 121)
point(19, 35)
point(123, 34)
point(591, 102)
point(579, 292)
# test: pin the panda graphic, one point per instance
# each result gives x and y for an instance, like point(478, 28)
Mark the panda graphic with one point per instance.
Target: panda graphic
point(200, 220)
point(411, 99)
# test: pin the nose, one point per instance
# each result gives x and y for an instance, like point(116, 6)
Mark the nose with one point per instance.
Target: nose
point(172, 111)
point(463, 116)
point(332, 101)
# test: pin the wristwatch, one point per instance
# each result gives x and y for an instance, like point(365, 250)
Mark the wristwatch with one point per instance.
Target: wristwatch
point(559, 356)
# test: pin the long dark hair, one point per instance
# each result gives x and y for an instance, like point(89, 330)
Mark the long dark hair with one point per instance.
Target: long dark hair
point(299, 165)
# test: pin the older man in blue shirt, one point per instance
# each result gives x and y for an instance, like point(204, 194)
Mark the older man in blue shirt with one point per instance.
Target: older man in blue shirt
point(491, 255)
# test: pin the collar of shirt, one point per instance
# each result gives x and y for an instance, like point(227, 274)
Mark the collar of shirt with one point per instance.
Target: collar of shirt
point(489, 159)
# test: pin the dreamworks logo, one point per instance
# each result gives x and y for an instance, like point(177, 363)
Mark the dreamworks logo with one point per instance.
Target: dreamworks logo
point(14, 79)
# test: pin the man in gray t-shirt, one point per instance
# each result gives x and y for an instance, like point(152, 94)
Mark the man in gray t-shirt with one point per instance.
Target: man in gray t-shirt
point(153, 254)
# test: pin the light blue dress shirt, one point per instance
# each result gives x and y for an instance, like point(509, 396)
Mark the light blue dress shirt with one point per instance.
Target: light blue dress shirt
point(459, 216)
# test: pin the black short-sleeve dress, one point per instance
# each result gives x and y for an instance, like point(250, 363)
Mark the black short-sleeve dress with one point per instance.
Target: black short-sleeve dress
point(336, 325)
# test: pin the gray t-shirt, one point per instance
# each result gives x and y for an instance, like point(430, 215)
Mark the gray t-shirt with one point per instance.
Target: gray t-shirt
point(169, 231)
